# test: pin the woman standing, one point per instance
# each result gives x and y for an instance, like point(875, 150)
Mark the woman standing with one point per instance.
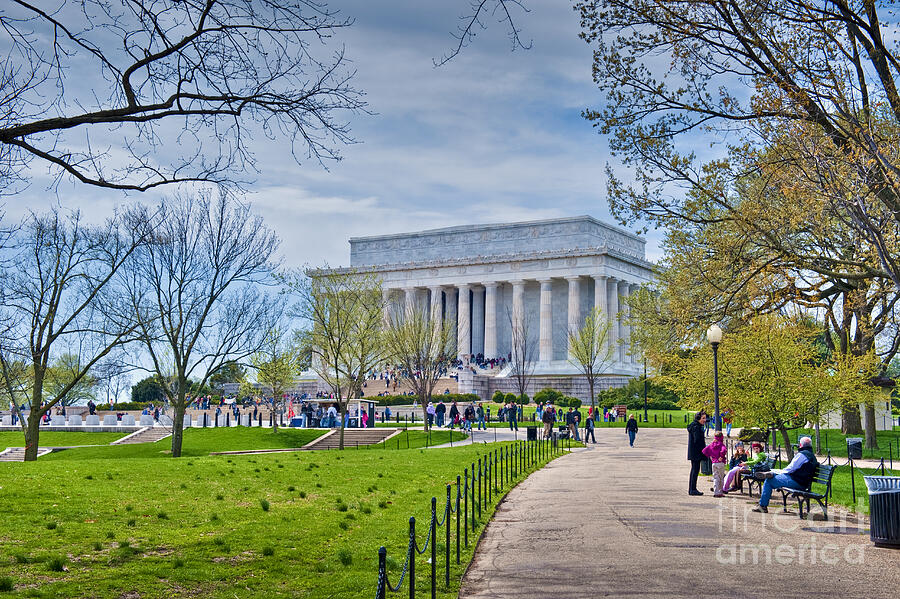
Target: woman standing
point(696, 443)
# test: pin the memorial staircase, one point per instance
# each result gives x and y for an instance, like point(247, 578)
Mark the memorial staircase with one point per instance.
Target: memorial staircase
point(352, 437)
point(17, 454)
point(149, 434)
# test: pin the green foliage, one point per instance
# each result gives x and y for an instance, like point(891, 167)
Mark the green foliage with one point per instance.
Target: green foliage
point(498, 397)
point(406, 400)
point(523, 400)
point(510, 398)
point(548, 395)
point(6, 584)
point(229, 372)
point(148, 390)
point(56, 564)
point(633, 393)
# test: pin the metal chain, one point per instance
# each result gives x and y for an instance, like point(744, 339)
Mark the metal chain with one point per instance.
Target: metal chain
point(428, 538)
point(447, 509)
point(391, 587)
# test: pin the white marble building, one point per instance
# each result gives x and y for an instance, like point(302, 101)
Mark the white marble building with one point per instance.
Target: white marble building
point(478, 276)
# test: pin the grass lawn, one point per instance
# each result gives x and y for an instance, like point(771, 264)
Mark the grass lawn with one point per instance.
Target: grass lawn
point(836, 442)
point(59, 438)
point(198, 442)
point(305, 524)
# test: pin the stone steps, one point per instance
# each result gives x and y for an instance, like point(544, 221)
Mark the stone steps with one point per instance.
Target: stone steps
point(17, 454)
point(352, 438)
point(150, 434)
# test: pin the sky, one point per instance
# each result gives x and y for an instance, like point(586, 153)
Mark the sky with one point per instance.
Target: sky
point(495, 135)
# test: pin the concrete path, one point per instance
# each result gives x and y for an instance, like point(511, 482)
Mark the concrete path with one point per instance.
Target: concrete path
point(616, 521)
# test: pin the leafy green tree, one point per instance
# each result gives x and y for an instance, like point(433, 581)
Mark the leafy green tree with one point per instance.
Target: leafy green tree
point(148, 390)
point(589, 348)
point(67, 372)
point(277, 365)
point(422, 345)
point(230, 372)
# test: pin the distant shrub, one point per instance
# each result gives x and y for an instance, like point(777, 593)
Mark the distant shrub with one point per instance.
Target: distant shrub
point(264, 504)
point(344, 556)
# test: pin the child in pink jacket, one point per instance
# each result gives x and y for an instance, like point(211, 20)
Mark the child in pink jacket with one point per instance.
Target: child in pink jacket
point(717, 452)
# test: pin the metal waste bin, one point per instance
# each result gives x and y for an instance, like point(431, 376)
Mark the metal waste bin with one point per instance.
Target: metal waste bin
point(706, 466)
point(531, 433)
point(854, 448)
point(884, 510)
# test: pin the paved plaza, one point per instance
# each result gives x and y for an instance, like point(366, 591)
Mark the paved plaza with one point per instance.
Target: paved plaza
point(617, 521)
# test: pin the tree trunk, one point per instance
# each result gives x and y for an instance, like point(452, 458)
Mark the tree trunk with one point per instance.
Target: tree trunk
point(851, 423)
point(177, 431)
point(785, 436)
point(591, 390)
point(32, 432)
point(343, 417)
point(871, 435)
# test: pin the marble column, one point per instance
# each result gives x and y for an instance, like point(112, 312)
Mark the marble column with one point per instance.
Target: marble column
point(637, 355)
point(517, 326)
point(464, 327)
point(409, 294)
point(574, 316)
point(436, 305)
point(612, 302)
point(545, 344)
point(477, 320)
point(490, 320)
point(386, 306)
point(624, 332)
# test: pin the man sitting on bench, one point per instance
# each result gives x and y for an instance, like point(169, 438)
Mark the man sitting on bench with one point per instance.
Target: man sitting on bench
point(798, 475)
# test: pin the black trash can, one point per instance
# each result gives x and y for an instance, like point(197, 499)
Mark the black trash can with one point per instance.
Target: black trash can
point(884, 510)
point(531, 433)
point(706, 466)
point(854, 448)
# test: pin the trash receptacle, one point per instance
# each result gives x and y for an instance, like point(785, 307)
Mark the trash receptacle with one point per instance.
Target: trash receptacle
point(531, 433)
point(706, 466)
point(884, 510)
point(854, 448)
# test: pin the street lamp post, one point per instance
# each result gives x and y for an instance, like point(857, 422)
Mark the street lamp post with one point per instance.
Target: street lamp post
point(714, 336)
point(645, 390)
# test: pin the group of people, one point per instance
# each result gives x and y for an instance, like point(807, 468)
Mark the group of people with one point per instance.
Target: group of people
point(798, 474)
point(471, 415)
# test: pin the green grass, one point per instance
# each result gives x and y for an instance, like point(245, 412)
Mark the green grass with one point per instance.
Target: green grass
point(416, 439)
point(302, 546)
point(198, 442)
point(834, 441)
point(59, 438)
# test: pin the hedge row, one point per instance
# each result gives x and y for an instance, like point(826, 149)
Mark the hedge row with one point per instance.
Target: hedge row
point(405, 400)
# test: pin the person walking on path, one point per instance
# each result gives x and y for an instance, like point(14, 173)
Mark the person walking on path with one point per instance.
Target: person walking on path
point(479, 414)
point(696, 443)
point(453, 414)
point(798, 474)
point(511, 413)
point(570, 422)
point(717, 452)
point(589, 430)
point(631, 429)
point(440, 412)
point(576, 420)
point(548, 418)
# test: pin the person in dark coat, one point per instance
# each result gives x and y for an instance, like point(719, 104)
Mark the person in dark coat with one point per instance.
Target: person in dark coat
point(696, 443)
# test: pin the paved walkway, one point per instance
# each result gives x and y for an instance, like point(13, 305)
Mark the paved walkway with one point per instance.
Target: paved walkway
point(617, 521)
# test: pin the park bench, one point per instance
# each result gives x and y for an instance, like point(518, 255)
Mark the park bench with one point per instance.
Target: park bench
point(821, 477)
point(752, 478)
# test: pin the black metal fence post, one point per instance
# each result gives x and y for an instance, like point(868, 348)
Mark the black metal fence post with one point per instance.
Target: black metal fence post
point(382, 574)
point(481, 481)
point(412, 558)
point(466, 506)
point(457, 520)
point(852, 481)
point(434, 548)
point(447, 540)
point(473, 496)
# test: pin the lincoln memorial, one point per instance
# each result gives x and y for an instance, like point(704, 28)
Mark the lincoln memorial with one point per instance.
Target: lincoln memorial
point(551, 272)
